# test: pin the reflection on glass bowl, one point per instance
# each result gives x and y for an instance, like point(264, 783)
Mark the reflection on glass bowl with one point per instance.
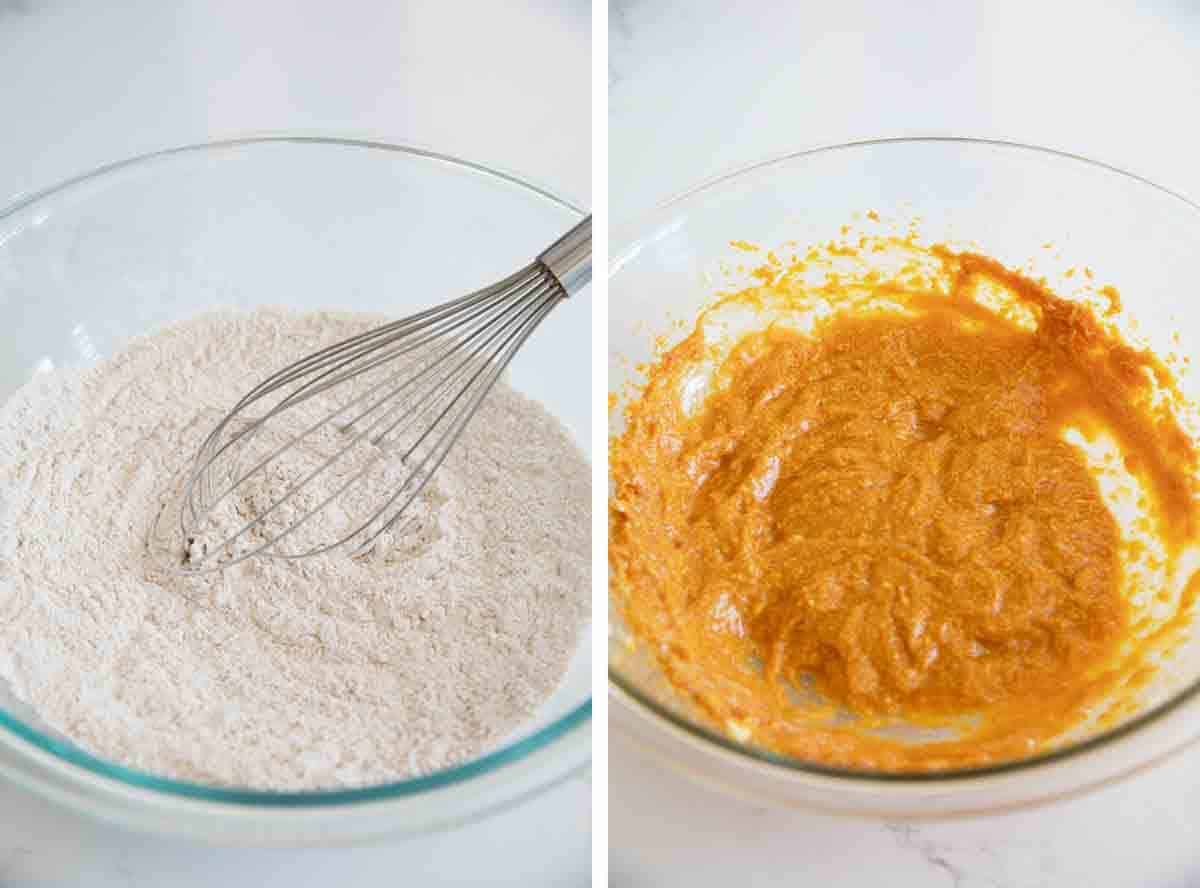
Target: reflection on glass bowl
point(306, 223)
point(1010, 201)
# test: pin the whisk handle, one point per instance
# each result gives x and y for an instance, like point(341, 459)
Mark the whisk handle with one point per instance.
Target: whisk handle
point(569, 258)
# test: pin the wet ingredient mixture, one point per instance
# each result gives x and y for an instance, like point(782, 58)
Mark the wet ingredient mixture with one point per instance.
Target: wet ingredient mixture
point(885, 510)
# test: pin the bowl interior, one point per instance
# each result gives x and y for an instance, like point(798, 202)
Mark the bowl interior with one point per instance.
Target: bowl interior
point(1029, 208)
point(306, 224)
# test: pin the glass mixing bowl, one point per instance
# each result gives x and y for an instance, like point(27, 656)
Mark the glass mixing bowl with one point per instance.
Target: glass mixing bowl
point(306, 223)
point(1012, 200)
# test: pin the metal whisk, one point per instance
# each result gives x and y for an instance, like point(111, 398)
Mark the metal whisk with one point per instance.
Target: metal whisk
point(392, 403)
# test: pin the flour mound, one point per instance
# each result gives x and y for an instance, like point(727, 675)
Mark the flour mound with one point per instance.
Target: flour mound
point(323, 672)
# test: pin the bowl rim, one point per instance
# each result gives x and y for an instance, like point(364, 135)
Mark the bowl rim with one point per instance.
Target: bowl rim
point(626, 245)
point(488, 763)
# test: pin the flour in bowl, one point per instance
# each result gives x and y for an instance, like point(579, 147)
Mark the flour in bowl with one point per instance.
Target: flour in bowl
point(323, 672)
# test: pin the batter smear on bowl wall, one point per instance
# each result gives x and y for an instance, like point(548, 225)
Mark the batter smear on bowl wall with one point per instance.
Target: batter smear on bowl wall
point(890, 487)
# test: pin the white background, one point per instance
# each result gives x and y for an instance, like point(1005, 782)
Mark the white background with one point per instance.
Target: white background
point(698, 87)
point(83, 83)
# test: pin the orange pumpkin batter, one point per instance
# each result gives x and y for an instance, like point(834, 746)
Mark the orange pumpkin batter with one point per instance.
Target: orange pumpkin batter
point(887, 510)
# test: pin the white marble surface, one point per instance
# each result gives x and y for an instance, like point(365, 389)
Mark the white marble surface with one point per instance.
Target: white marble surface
point(699, 87)
point(542, 843)
point(1142, 832)
point(82, 83)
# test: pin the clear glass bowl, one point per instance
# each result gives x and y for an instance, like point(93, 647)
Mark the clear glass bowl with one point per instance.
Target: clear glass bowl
point(1012, 200)
point(307, 223)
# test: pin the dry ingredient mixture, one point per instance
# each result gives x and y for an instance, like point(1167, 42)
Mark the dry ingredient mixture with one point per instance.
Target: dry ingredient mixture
point(885, 509)
point(285, 675)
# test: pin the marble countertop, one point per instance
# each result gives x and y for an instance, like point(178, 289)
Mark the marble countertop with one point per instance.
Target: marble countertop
point(545, 842)
point(1142, 832)
point(84, 83)
point(698, 87)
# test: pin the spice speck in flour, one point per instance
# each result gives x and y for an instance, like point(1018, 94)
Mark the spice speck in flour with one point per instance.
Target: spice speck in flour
point(323, 672)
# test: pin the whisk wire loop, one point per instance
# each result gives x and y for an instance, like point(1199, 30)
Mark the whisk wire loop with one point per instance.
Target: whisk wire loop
point(379, 410)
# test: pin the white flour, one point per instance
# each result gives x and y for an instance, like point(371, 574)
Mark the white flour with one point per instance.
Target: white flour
point(287, 675)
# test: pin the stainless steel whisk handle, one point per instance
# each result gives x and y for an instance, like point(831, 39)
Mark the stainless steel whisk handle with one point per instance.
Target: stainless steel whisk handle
point(569, 258)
